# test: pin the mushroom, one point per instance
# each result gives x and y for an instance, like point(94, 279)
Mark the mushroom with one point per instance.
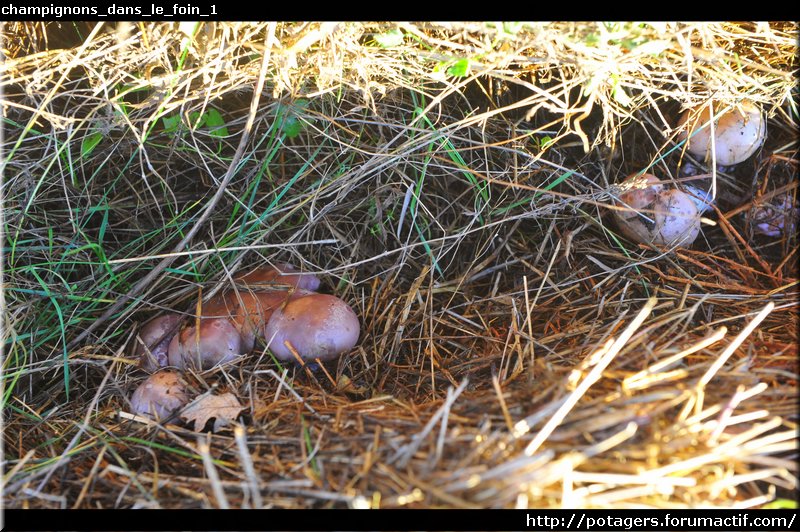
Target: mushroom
point(774, 217)
point(203, 345)
point(655, 214)
point(316, 326)
point(153, 340)
point(160, 395)
point(738, 132)
point(249, 312)
point(271, 277)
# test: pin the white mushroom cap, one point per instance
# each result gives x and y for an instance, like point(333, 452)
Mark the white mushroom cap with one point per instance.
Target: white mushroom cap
point(656, 215)
point(317, 326)
point(677, 219)
point(160, 395)
point(156, 335)
point(217, 342)
point(738, 132)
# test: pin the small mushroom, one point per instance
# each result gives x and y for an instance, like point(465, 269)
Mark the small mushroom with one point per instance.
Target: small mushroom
point(774, 218)
point(654, 214)
point(153, 339)
point(316, 326)
point(212, 342)
point(738, 132)
point(160, 395)
point(280, 275)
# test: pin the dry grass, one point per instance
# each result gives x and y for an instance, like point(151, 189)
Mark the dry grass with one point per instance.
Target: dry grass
point(451, 182)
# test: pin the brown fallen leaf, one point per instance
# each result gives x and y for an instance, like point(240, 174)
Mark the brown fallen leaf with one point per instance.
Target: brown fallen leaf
point(345, 384)
point(224, 408)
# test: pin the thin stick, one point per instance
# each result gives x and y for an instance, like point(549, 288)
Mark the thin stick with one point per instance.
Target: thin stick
point(532, 368)
point(213, 478)
point(197, 252)
point(503, 407)
point(726, 354)
point(247, 465)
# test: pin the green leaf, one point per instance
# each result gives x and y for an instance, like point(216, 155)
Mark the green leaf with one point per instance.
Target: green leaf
point(90, 143)
point(629, 44)
point(459, 69)
point(216, 123)
point(292, 127)
point(196, 120)
point(390, 38)
point(292, 124)
point(171, 123)
point(557, 181)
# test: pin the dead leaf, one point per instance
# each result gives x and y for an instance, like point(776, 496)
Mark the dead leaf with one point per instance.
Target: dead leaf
point(344, 384)
point(224, 408)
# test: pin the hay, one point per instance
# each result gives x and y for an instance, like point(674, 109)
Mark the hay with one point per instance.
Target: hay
point(452, 183)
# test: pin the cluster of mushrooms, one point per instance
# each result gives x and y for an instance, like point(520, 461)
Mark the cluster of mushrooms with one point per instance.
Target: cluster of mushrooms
point(276, 307)
point(653, 212)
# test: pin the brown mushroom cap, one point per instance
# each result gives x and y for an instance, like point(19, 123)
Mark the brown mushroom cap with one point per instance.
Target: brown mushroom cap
point(738, 132)
point(671, 215)
point(640, 190)
point(278, 276)
point(316, 325)
point(216, 342)
point(160, 395)
point(155, 336)
point(249, 312)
